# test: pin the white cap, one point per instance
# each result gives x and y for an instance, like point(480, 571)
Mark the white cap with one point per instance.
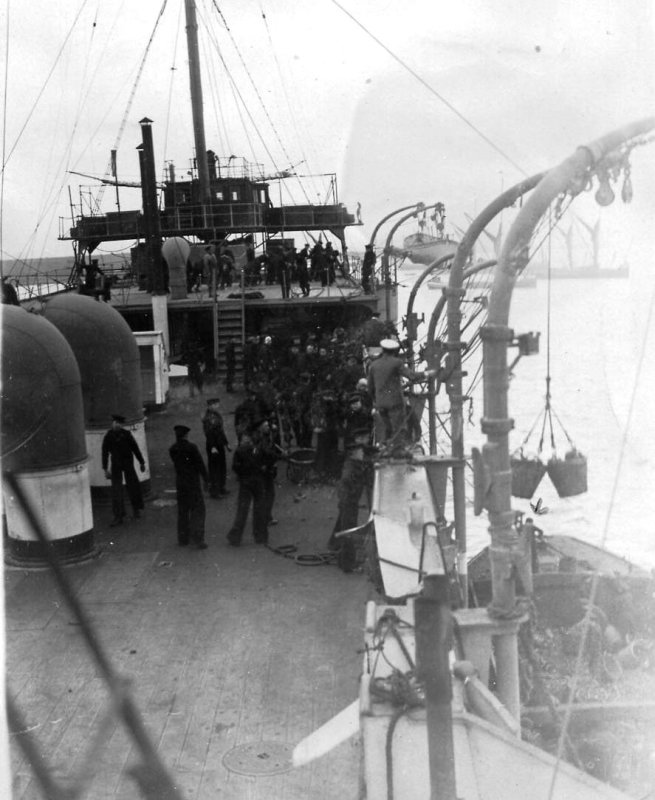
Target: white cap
point(389, 344)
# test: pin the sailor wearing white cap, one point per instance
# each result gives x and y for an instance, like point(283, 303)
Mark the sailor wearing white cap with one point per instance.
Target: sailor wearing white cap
point(386, 391)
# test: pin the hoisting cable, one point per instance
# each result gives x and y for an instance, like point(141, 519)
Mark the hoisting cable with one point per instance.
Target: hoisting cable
point(236, 91)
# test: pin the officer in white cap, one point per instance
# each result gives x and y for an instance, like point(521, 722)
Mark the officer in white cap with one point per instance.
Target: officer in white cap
point(385, 388)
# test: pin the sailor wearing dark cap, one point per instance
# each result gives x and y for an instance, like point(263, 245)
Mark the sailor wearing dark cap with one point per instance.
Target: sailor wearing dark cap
point(356, 476)
point(189, 468)
point(249, 465)
point(215, 444)
point(373, 330)
point(121, 447)
point(386, 391)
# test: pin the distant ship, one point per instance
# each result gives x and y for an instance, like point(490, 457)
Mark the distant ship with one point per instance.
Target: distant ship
point(426, 248)
point(423, 248)
point(590, 270)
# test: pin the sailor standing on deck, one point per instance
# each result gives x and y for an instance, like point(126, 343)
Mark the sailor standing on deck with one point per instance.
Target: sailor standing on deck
point(119, 445)
point(386, 391)
point(216, 444)
point(249, 465)
point(189, 468)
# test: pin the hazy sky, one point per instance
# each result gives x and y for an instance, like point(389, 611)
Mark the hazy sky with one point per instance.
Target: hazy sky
point(453, 102)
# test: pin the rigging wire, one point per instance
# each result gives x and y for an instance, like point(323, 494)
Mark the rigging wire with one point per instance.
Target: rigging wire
point(292, 115)
point(432, 90)
point(173, 70)
point(128, 107)
point(244, 105)
point(47, 199)
point(5, 161)
point(261, 102)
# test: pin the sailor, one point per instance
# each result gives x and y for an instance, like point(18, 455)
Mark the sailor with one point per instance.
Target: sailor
point(189, 468)
point(356, 476)
point(302, 272)
point(216, 444)
point(373, 331)
point(385, 389)
point(249, 466)
point(263, 438)
point(9, 293)
point(249, 413)
point(210, 267)
point(121, 446)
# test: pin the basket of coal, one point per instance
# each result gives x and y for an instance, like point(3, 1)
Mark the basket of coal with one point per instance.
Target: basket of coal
point(527, 473)
point(568, 474)
point(300, 464)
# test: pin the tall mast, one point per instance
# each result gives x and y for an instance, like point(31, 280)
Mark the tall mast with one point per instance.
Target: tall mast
point(196, 100)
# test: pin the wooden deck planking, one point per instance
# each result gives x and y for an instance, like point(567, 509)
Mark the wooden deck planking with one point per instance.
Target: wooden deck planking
point(233, 645)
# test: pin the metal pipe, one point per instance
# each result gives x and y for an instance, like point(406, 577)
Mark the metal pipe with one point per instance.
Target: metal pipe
point(433, 627)
point(570, 176)
point(411, 329)
point(385, 253)
point(453, 297)
point(417, 206)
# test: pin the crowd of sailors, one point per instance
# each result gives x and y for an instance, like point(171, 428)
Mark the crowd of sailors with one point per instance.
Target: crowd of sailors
point(281, 265)
point(337, 396)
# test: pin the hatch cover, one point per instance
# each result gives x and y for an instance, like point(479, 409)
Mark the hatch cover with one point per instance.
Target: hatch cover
point(259, 758)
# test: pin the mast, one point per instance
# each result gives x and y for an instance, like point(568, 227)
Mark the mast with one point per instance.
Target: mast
point(196, 101)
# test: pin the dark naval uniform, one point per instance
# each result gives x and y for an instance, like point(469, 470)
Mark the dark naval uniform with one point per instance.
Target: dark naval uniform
point(216, 444)
point(249, 465)
point(189, 468)
point(122, 448)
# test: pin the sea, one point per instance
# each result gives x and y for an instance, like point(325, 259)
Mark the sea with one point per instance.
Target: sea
point(597, 343)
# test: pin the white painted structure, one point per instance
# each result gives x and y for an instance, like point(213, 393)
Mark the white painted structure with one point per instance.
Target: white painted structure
point(155, 374)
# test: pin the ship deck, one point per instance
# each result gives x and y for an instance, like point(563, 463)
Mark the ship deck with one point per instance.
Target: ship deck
point(132, 298)
point(222, 648)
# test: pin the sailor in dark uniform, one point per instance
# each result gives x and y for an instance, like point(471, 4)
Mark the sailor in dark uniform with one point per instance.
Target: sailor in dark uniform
point(189, 468)
point(121, 446)
point(216, 445)
point(249, 465)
